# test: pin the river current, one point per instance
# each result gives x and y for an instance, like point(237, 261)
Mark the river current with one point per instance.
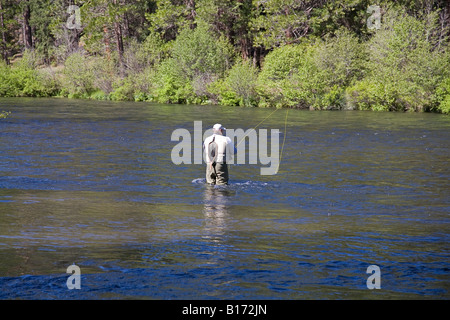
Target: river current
point(93, 184)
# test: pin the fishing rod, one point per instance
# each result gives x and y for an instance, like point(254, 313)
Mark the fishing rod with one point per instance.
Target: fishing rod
point(284, 136)
point(253, 129)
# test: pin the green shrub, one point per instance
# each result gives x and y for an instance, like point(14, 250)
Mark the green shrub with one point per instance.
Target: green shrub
point(141, 96)
point(99, 95)
point(168, 84)
point(197, 59)
point(123, 89)
point(78, 76)
point(275, 84)
point(368, 95)
point(238, 87)
point(222, 93)
point(23, 79)
point(442, 97)
point(198, 51)
point(312, 75)
point(105, 71)
point(4, 114)
point(404, 68)
point(444, 106)
point(7, 88)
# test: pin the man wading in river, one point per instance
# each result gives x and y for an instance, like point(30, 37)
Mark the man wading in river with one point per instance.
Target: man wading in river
point(218, 149)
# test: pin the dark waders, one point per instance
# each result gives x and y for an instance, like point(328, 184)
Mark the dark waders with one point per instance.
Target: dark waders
point(217, 173)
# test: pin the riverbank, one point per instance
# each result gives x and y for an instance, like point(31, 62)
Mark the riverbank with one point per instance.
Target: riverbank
point(398, 68)
point(243, 85)
point(340, 55)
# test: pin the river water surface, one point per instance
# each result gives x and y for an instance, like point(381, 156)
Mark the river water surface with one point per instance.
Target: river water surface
point(92, 183)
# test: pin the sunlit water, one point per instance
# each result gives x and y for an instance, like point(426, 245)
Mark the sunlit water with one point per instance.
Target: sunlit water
point(92, 183)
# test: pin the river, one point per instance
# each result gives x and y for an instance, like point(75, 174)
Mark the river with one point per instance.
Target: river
point(92, 183)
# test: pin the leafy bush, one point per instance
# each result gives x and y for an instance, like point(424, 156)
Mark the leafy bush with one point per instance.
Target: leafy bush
point(24, 80)
point(140, 59)
point(78, 76)
point(7, 89)
point(169, 85)
point(105, 71)
point(4, 114)
point(131, 88)
point(197, 59)
point(95, 78)
point(405, 66)
point(198, 52)
point(368, 94)
point(238, 87)
point(442, 97)
point(99, 95)
point(312, 75)
point(444, 106)
point(275, 84)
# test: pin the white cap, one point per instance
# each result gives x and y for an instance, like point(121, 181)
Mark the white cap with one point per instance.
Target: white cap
point(218, 126)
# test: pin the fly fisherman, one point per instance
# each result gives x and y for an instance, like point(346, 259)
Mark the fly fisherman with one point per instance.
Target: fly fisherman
point(218, 149)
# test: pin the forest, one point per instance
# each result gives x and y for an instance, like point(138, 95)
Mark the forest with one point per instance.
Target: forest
point(312, 54)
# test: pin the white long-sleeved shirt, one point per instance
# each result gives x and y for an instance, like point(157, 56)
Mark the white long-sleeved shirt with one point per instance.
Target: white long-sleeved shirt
point(225, 147)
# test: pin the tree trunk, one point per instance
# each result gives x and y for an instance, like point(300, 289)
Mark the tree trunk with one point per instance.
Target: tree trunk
point(75, 43)
point(244, 48)
point(126, 26)
point(4, 43)
point(106, 40)
point(190, 6)
point(119, 42)
point(27, 35)
point(74, 37)
point(257, 57)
